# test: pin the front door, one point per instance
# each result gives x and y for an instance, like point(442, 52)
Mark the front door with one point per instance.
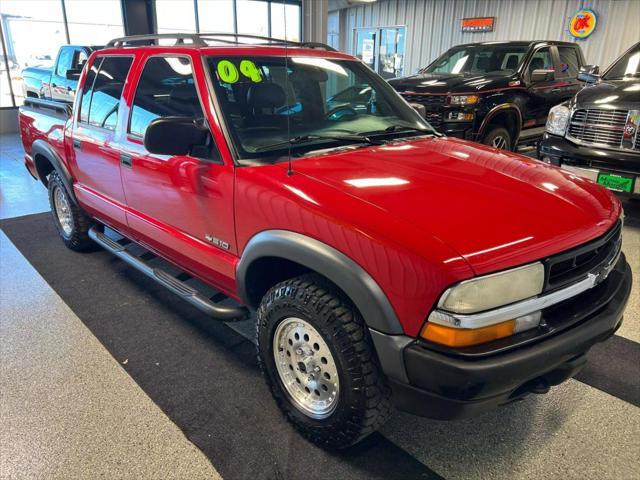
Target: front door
point(180, 206)
point(542, 95)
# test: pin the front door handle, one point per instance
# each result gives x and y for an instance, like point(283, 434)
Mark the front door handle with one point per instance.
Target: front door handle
point(76, 143)
point(126, 160)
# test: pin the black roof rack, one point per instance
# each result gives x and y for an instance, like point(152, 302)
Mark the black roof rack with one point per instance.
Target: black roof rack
point(200, 40)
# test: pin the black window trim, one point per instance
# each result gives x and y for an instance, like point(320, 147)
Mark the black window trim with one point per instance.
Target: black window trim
point(86, 124)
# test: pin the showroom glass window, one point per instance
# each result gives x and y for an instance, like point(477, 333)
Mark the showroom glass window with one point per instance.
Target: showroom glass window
point(175, 16)
point(253, 17)
point(166, 88)
point(281, 13)
point(106, 92)
point(569, 61)
point(24, 49)
point(93, 22)
point(216, 16)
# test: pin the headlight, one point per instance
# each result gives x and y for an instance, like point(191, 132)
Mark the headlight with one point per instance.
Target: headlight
point(490, 291)
point(558, 120)
point(483, 294)
point(463, 99)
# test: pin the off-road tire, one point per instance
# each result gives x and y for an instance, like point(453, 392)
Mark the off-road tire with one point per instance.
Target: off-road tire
point(493, 135)
point(363, 403)
point(77, 239)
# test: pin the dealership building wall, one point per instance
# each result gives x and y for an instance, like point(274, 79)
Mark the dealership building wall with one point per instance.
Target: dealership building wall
point(433, 26)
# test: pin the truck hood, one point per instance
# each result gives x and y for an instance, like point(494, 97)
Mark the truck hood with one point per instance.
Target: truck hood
point(618, 94)
point(495, 209)
point(448, 83)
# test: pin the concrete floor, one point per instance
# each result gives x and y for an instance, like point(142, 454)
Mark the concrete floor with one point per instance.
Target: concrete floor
point(68, 410)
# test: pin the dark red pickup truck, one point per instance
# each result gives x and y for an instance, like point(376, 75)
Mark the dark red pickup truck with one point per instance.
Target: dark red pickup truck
point(387, 263)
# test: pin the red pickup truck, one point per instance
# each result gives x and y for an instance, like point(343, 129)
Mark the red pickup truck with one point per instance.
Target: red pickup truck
point(386, 263)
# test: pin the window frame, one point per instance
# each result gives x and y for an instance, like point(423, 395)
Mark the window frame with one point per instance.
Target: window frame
point(134, 89)
point(77, 121)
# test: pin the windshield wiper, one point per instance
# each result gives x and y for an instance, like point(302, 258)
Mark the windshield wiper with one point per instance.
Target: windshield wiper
point(402, 129)
point(302, 139)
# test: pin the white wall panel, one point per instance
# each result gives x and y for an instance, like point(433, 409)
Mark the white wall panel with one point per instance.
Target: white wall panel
point(433, 26)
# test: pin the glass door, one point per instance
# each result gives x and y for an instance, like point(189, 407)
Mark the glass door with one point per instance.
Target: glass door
point(391, 50)
point(382, 49)
point(366, 46)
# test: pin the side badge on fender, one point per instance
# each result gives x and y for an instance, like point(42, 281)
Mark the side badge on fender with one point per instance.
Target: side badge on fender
point(216, 241)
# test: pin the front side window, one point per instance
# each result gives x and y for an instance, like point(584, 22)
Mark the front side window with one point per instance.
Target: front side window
point(479, 60)
point(311, 102)
point(541, 60)
point(105, 95)
point(166, 89)
point(64, 60)
point(626, 67)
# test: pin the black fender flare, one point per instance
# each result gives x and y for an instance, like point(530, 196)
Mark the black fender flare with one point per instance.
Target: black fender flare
point(354, 281)
point(40, 147)
point(503, 107)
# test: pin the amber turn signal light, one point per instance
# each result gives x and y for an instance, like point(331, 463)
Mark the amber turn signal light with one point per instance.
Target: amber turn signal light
point(464, 337)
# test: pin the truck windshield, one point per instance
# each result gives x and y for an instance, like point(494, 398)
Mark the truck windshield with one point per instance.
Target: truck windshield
point(272, 106)
point(479, 59)
point(627, 66)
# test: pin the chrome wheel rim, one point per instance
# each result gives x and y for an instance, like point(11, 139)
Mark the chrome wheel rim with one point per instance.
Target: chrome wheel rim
point(63, 211)
point(499, 142)
point(306, 368)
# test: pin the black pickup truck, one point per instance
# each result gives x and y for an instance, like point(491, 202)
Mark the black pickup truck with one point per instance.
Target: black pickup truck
point(597, 133)
point(497, 93)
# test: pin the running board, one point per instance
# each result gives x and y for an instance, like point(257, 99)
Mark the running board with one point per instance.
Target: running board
point(177, 286)
point(531, 134)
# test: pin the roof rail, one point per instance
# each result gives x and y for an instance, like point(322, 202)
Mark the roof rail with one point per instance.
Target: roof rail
point(199, 39)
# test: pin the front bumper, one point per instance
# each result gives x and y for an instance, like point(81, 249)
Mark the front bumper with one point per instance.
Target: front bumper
point(588, 162)
point(456, 384)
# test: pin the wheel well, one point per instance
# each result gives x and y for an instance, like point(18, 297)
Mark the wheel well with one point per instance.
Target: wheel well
point(265, 272)
point(44, 167)
point(507, 119)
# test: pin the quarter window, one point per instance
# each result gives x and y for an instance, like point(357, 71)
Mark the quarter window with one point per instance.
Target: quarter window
point(166, 89)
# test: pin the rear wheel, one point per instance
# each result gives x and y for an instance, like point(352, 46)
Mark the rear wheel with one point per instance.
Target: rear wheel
point(498, 137)
point(70, 221)
point(319, 362)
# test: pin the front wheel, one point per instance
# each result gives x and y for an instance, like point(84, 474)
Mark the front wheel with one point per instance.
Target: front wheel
point(498, 137)
point(319, 362)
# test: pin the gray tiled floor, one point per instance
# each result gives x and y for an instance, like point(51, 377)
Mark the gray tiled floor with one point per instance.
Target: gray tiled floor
point(67, 408)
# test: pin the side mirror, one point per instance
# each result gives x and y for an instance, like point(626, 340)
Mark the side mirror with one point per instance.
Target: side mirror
point(589, 73)
point(175, 136)
point(73, 73)
point(542, 75)
point(418, 107)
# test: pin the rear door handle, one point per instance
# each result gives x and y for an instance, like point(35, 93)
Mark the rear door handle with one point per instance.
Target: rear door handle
point(76, 143)
point(126, 160)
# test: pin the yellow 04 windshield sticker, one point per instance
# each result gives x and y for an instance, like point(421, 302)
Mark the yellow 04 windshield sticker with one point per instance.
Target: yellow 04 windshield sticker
point(228, 72)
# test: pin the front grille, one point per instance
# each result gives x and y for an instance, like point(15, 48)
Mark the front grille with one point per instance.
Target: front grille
point(424, 99)
point(432, 104)
point(575, 264)
point(601, 127)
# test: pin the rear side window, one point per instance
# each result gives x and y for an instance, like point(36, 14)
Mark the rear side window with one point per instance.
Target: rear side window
point(99, 106)
point(569, 61)
point(166, 88)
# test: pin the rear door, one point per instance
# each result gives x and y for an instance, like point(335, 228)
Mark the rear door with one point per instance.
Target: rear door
point(99, 186)
point(180, 206)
